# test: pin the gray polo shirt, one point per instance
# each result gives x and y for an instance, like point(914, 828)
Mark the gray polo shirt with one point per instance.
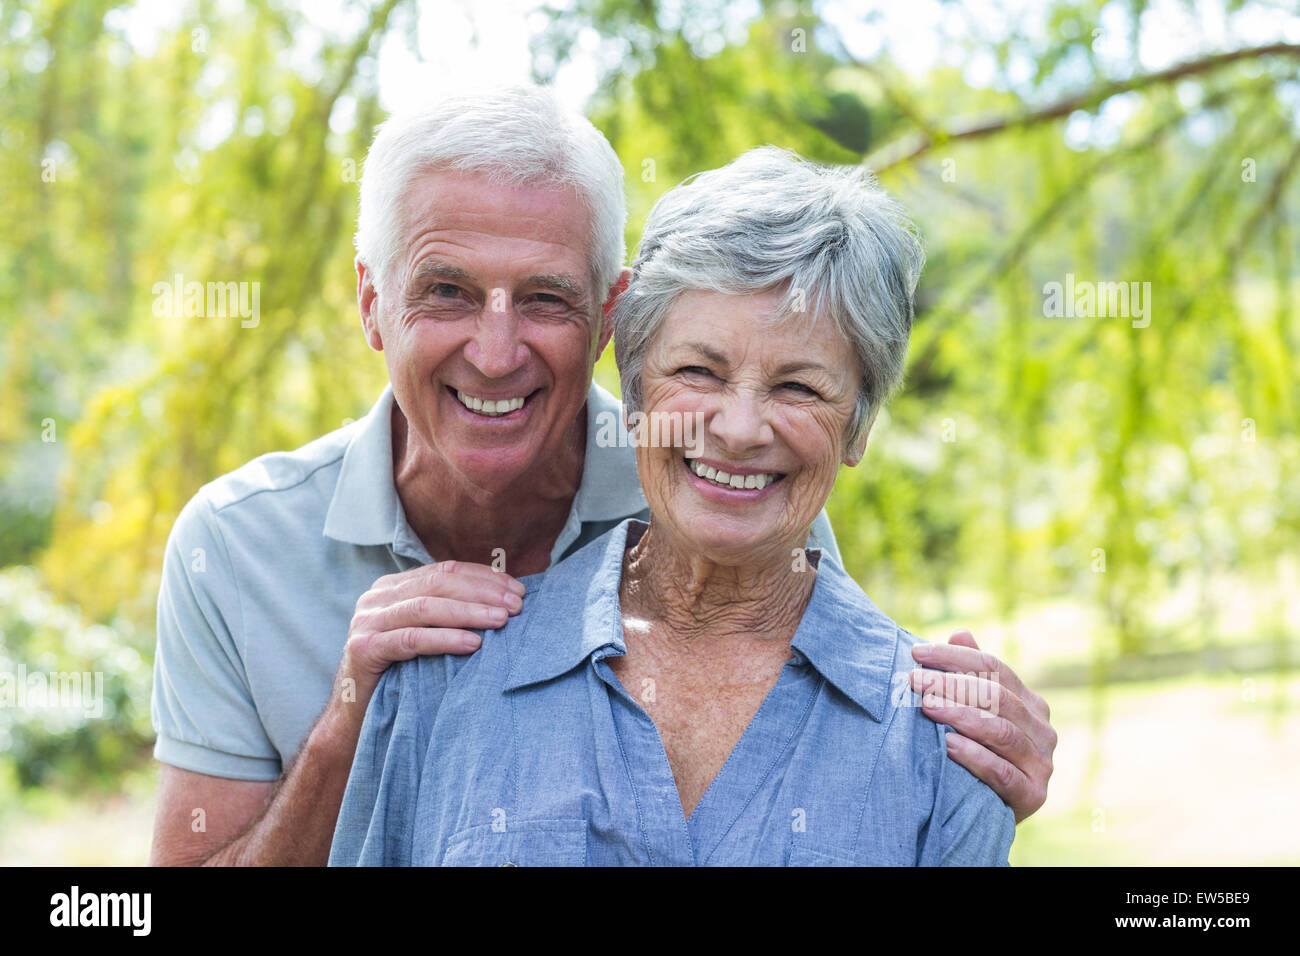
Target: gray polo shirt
point(262, 574)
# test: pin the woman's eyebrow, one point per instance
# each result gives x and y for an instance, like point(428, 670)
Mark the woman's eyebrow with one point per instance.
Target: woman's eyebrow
point(703, 348)
point(799, 366)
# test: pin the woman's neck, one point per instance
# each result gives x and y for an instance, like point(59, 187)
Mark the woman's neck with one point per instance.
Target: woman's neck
point(693, 601)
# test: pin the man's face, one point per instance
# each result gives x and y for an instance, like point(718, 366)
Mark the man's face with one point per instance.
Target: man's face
point(491, 301)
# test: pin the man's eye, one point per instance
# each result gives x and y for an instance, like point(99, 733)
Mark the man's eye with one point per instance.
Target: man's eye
point(445, 290)
point(549, 298)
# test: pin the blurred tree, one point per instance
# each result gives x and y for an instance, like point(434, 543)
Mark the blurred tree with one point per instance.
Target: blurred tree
point(1030, 454)
point(1111, 460)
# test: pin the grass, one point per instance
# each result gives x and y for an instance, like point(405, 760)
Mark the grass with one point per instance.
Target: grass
point(1185, 771)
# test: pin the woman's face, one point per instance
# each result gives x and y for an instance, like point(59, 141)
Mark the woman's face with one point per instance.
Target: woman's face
point(773, 400)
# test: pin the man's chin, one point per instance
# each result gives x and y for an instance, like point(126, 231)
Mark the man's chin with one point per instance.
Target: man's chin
point(495, 473)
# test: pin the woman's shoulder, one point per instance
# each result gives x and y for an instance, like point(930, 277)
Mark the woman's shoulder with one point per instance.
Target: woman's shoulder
point(875, 645)
point(840, 600)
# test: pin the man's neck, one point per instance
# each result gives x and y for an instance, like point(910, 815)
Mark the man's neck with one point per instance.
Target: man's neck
point(459, 520)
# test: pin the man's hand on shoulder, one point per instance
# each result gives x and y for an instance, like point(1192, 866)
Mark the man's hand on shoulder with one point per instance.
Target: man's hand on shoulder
point(416, 613)
point(1004, 733)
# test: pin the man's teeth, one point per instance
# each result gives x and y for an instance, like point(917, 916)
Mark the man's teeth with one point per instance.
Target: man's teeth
point(712, 474)
point(489, 407)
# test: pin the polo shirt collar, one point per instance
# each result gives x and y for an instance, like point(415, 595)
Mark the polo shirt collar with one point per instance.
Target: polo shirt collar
point(366, 509)
point(843, 635)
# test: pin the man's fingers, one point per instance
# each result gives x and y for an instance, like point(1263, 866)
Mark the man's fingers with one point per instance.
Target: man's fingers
point(979, 693)
point(428, 576)
point(1004, 778)
point(470, 569)
point(426, 611)
point(1000, 733)
point(963, 638)
point(968, 660)
point(408, 642)
point(459, 585)
point(1003, 732)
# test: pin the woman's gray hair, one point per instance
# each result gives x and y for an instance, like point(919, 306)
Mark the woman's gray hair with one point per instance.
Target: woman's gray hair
point(830, 236)
point(519, 135)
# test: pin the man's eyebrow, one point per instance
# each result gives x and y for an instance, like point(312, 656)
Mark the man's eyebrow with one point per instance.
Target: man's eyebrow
point(559, 282)
point(437, 269)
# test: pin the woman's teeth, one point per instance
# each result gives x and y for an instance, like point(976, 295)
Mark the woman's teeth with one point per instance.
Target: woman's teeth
point(724, 480)
point(489, 407)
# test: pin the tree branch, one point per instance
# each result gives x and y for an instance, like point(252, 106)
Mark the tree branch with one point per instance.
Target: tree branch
point(921, 143)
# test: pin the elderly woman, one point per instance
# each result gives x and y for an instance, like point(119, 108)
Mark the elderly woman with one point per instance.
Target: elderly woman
point(701, 689)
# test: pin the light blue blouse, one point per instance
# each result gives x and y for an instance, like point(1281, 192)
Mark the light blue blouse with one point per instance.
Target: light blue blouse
point(530, 752)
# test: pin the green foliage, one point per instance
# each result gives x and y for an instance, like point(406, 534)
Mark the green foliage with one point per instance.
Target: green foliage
point(74, 698)
point(1029, 455)
point(1029, 458)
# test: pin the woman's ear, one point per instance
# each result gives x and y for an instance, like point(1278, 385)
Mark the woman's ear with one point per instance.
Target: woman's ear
point(853, 454)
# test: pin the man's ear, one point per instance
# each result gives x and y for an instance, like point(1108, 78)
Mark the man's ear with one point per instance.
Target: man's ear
point(853, 454)
point(368, 304)
point(607, 322)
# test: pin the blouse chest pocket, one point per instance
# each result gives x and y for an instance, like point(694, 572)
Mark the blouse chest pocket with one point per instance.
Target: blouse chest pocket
point(802, 854)
point(520, 843)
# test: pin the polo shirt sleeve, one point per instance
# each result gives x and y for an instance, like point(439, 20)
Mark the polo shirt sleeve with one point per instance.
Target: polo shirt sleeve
point(970, 825)
point(376, 823)
point(202, 708)
point(823, 537)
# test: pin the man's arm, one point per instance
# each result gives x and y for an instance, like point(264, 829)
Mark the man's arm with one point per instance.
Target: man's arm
point(205, 716)
point(1004, 734)
point(216, 821)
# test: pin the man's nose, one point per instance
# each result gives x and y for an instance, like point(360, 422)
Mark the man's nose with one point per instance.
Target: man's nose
point(739, 423)
point(495, 349)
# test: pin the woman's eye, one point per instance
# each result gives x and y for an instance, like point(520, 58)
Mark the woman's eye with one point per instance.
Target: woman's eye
point(694, 370)
point(801, 388)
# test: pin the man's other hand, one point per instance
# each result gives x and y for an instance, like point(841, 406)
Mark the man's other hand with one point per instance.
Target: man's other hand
point(1003, 735)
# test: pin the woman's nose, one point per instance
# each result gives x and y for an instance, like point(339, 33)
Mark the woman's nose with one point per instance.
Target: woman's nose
point(739, 423)
point(495, 349)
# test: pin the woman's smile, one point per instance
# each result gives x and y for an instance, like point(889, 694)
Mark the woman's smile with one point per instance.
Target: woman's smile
point(737, 482)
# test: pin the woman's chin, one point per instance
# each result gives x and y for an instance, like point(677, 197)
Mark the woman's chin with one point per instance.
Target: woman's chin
point(728, 541)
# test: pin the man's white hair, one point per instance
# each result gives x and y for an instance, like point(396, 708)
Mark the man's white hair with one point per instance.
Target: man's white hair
point(518, 135)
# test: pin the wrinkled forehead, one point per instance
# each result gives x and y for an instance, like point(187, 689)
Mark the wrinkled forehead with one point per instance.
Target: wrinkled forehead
point(480, 212)
point(757, 323)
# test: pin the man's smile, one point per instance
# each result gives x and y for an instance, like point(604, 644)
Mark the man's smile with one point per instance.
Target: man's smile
point(507, 407)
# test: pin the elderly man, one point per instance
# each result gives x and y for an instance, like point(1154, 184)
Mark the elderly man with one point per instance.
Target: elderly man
point(489, 254)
